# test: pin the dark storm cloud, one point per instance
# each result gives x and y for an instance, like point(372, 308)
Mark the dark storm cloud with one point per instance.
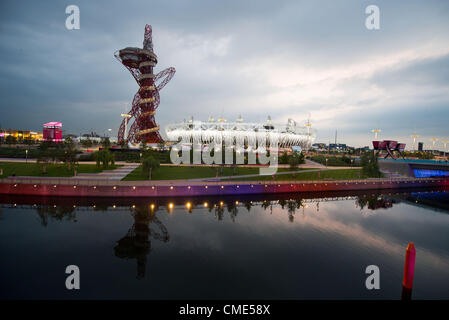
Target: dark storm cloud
point(258, 58)
point(427, 72)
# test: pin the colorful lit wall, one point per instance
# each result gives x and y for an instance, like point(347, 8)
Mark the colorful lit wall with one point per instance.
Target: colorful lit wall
point(53, 131)
point(428, 173)
point(20, 135)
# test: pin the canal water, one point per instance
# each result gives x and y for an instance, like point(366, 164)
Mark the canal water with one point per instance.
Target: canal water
point(298, 246)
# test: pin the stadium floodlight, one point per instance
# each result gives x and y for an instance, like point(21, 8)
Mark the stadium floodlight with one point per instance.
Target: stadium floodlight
point(414, 137)
point(376, 133)
point(434, 140)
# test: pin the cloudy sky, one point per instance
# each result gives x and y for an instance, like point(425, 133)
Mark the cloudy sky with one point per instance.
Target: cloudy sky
point(286, 59)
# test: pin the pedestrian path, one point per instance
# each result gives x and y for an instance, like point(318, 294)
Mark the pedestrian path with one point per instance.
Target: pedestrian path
point(252, 175)
point(116, 174)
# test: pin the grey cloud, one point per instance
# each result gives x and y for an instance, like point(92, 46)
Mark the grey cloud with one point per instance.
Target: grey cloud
point(50, 73)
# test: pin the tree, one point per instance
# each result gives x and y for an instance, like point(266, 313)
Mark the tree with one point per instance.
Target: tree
point(106, 143)
point(69, 155)
point(370, 165)
point(11, 140)
point(48, 152)
point(296, 158)
point(149, 163)
point(284, 158)
point(28, 141)
point(44, 157)
point(104, 158)
point(87, 143)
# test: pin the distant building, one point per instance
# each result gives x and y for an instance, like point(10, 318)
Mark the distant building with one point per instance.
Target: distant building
point(420, 146)
point(20, 135)
point(53, 131)
point(319, 146)
point(338, 146)
point(296, 149)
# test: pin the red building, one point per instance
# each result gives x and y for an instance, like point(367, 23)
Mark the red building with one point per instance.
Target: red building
point(52, 131)
point(389, 146)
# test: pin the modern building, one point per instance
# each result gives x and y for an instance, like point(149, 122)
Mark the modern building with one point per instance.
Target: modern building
point(338, 146)
point(319, 146)
point(364, 149)
point(53, 131)
point(420, 146)
point(20, 135)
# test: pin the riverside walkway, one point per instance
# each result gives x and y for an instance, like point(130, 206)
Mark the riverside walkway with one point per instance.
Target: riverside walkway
point(183, 188)
point(116, 174)
point(244, 176)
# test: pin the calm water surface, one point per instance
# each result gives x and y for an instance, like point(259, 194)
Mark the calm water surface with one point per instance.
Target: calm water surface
point(310, 246)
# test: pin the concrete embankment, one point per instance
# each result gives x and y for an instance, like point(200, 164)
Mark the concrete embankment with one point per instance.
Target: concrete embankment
point(174, 188)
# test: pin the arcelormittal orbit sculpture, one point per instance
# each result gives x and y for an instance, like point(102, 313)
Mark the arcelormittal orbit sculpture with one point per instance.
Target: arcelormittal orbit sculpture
point(140, 62)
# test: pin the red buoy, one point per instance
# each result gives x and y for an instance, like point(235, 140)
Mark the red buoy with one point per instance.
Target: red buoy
point(409, 269)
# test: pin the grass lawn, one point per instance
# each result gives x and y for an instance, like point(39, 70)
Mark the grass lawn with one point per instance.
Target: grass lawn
point(53, 170)
point(183, 172)
point(340, 174)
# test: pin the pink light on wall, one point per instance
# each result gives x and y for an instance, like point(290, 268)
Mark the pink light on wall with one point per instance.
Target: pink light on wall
point(52, 131)
point(53, 125)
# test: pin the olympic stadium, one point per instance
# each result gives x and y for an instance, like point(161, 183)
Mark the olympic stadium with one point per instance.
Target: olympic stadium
point(219, 130)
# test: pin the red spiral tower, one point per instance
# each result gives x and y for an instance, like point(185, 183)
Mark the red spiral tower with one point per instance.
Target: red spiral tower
point(141, 62)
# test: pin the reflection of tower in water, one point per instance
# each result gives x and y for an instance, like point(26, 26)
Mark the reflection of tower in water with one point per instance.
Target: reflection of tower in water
point(136, 243)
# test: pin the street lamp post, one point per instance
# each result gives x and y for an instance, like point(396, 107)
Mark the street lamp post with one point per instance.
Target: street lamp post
point(308, 125)
point(26, 155)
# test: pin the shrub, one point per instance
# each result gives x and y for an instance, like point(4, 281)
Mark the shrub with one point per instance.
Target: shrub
point(370, 165)
point(295, 159)
point(149, 163)
point(104, 158)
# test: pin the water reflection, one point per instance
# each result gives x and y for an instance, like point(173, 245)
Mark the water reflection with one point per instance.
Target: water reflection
point(63, 212)
point(136, 243)
point(308, 232)
point(144, 210)
point(375, 202)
